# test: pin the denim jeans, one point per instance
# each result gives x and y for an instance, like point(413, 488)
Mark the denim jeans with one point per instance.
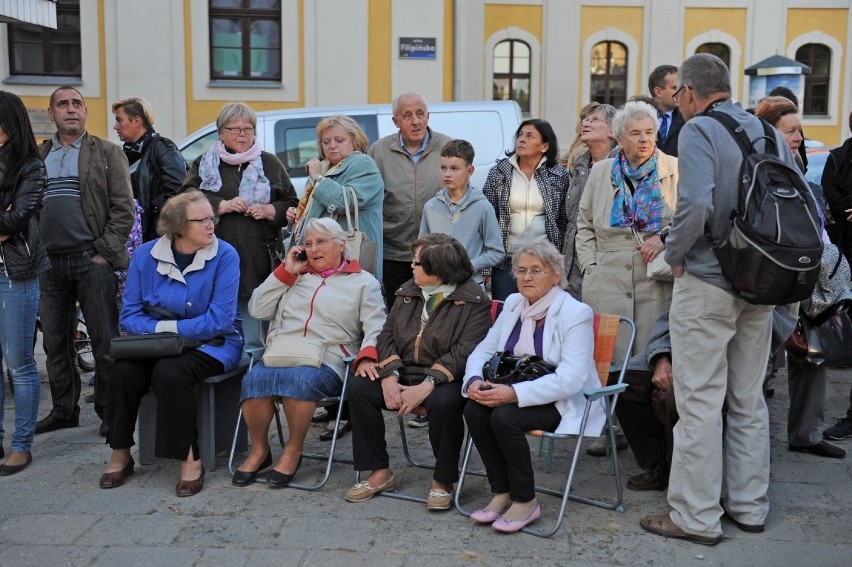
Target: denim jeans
point(76, 277)
point(503, 282)
point(18, 309)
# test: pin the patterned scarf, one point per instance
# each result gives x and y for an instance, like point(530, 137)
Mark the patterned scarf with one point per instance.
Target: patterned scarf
point(137, 149)
point(434, 295)
point(254, 185)
point(642, 208)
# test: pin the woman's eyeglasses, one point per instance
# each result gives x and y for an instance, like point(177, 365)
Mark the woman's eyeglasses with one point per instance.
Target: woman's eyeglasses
point(237, 131)
point(206, 221)
point(535, 272)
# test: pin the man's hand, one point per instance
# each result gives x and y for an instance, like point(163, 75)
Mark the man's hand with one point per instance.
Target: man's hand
point(677, 271)
point(662, 377)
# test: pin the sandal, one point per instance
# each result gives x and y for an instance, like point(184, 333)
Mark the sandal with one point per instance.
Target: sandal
point(345, 425)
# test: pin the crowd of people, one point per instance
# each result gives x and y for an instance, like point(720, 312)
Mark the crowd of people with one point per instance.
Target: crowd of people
point(223, 252)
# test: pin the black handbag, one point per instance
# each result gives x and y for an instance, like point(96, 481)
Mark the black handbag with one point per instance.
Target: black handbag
point(826, 341)
point(151, 345)
point(507, 368)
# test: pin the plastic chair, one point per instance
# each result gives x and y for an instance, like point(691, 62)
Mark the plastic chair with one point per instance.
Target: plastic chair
point(606, 331)
point(328, 456)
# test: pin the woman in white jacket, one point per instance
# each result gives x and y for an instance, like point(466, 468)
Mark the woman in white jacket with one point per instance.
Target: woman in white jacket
point(546, 321)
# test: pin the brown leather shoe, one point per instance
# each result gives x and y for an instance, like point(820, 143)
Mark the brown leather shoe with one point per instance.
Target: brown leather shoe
point(116, 479)
point(186, 488)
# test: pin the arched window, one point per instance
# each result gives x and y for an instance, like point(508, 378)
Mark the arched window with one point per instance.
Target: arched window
point(720, 50)
point(609, 73)
point(818, 57)
point(512, 73)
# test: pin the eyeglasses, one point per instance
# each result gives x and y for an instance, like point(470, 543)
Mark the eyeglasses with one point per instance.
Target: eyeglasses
point(318, 243)
point(206, 221)
point(236, 131)
point(415, 263)
point(592, 120)
point(679, 91)
point(535, 272)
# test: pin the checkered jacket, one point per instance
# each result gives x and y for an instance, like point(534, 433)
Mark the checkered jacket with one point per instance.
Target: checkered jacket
point(552, 182)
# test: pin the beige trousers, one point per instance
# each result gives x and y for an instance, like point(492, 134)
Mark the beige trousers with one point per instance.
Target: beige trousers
point(720, 347)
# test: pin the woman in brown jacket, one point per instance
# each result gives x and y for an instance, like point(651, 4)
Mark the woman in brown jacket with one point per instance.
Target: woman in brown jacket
point(438, 318)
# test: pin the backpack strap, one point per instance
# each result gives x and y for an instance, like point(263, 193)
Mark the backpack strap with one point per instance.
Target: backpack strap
point(735, 129)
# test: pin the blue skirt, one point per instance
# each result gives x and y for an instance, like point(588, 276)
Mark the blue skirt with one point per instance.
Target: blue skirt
point(300, 383)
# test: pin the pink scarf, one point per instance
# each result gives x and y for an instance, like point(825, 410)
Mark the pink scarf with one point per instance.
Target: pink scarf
point(254, 185)
point(530, 314)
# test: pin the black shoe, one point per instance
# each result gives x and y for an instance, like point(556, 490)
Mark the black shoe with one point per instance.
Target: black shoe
point(245, 478)
point(90, 398)
point(53, 422)
point(821, 449)
point(2, 453)
point(651, 479)
point(750, 528)
point(345, 425)
point(277, 479)
point(840, 430)
point(103, 430)
point(7, 470)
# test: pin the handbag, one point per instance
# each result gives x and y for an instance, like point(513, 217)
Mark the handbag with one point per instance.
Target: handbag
point(656, 269)
point(833, 285)
point(151, 345)
point(507, 368)
point(826, 341)
point(360, 247)
point(287, 351)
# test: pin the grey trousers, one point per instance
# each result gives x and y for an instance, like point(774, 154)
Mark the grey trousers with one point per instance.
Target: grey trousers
point(721, 347)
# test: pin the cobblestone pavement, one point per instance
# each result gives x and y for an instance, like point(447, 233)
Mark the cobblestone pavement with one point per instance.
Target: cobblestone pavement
point(53, 513)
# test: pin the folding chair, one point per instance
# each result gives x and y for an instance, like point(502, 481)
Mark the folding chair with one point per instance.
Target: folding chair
point(328, 456)
point(606, 331)
point(496, 308)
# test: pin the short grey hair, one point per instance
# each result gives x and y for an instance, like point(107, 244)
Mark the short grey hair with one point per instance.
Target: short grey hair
point(633, 110)
point(399, 98)
point(329, 226)
point(705, 74)
point(235, 111)
point(547, 253)
point(607, 111)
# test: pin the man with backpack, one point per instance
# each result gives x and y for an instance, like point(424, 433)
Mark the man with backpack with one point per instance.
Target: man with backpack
point(720, 340)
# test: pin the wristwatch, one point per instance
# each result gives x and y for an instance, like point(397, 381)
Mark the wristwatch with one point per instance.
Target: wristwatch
point(432, 380)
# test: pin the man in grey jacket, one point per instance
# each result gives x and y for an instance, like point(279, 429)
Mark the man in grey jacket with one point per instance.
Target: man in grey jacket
point(86, 217)
point(409, 161)
point(720, 343)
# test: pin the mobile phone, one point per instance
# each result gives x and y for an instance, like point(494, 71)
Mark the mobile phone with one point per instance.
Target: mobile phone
point(303, 256)
point(485, 387)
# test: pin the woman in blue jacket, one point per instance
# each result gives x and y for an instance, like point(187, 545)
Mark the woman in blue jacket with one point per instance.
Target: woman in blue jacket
point(186, 282)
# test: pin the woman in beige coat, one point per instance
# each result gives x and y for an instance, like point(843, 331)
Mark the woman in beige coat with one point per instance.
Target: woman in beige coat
point(635, 190)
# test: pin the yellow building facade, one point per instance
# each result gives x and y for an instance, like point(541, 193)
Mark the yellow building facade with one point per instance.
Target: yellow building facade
point(553, 56)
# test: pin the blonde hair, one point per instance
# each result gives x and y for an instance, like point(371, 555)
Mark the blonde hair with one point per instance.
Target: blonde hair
point(136, 106)
point(359, 138)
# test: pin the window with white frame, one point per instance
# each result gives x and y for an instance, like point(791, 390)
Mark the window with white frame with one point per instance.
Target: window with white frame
point(36, 50)
point(818, 57)
point(511, 73)
point(245, 40)
point(608, 67)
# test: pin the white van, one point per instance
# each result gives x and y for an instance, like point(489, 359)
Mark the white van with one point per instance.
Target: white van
point(291, 134)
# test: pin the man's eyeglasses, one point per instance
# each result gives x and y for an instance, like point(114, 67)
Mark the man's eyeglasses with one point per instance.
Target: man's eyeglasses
point(679, 91)
point(237, 131)
point(206, 221)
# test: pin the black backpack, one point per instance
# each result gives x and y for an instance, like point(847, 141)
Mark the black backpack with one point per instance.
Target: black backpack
point(772, 254)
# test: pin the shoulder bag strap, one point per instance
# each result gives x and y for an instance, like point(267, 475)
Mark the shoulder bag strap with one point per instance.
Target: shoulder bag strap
point(349, 230)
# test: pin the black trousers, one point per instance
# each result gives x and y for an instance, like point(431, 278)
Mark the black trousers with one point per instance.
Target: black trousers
point(394, 274)
point(172, 380)
point(446, 427)
point(498, 434)
point(647, 418)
